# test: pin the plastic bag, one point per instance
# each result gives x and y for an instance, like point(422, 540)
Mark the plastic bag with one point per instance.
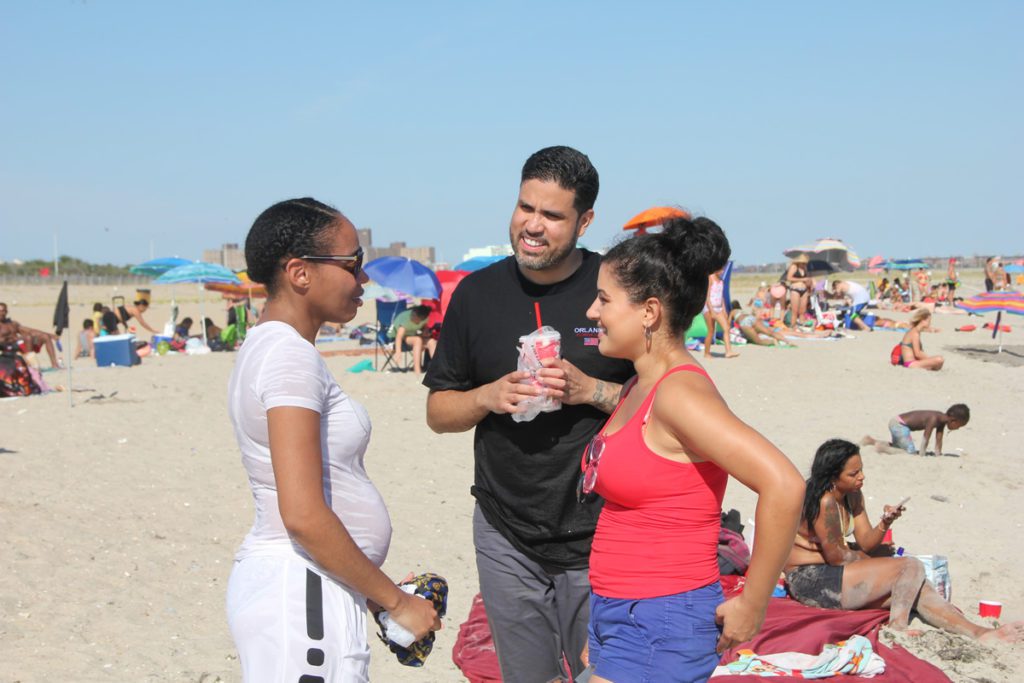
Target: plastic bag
point(936, 571)
point(535, 347)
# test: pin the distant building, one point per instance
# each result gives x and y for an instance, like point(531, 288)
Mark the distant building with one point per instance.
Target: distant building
point(491, 250)
point(229, 256)
point(425, 255)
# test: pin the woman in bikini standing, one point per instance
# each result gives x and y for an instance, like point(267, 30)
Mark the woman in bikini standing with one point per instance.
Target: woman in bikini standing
point(824, 570)
point(913, 353)
point(799, 287)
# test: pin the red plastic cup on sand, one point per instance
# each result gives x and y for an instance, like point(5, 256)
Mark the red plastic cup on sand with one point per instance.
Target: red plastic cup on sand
point(990, 608)
point(888, 536)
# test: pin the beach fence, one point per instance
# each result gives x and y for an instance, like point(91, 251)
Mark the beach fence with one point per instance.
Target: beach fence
point(7, 280)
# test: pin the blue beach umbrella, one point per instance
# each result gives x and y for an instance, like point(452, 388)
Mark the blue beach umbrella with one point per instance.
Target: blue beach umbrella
point(905, 264)
point(200, 273)
point(478, 262)
point(158, 266)
point(406, 275)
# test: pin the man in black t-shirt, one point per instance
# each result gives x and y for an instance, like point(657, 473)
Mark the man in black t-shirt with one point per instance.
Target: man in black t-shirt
point(532, 536)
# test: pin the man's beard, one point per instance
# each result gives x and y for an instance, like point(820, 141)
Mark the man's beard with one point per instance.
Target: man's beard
point(545, 260)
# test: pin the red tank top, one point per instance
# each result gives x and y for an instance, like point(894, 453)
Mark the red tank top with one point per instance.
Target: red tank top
point(658, 531)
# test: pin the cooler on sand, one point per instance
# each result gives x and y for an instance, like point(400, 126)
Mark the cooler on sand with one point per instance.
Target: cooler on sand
point(116, 349)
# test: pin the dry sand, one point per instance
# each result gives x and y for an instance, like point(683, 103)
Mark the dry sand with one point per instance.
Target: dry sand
point(119, 517)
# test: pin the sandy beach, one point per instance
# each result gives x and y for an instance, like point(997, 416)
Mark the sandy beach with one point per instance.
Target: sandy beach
point(120, 516)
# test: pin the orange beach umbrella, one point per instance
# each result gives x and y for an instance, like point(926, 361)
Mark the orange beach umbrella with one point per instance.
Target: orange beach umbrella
point(652, 217)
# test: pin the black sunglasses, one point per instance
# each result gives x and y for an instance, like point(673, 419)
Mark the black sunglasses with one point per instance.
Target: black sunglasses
point(356, 259)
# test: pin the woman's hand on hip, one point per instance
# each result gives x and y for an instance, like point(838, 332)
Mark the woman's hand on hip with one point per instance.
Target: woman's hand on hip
point(740, 621)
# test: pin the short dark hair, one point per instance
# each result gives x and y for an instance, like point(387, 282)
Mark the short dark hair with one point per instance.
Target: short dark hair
point(568, 167)
point(186, 322)
point(672, 265)
point(959, 412)
point(421, 311)
point(829, 461)
point(97, 307)
point(294, 227)
point(87, 324)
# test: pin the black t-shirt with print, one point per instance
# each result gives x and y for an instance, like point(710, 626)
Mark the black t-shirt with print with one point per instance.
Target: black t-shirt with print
point(525, 473)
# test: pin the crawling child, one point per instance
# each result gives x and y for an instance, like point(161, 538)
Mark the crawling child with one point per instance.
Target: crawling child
point(927, 421)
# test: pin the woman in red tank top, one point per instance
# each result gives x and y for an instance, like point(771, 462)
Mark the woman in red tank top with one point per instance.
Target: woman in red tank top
point(661, 464)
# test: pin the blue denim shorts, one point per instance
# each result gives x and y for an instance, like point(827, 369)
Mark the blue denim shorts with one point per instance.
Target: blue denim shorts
point(671, 638)
point(901, 437)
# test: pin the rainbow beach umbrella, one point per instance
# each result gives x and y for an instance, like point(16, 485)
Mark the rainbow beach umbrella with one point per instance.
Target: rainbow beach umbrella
point(995, 302)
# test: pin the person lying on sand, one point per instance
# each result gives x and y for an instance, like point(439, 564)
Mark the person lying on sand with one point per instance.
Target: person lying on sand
point(824, 570)
point(927, 421)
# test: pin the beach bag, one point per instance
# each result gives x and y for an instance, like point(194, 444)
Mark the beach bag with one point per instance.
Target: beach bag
point(733, 553)
point(936, 571)
point(896, 355)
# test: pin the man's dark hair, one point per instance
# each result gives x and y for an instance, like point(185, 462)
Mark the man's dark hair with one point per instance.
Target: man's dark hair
point(569, 168)
point(97, 307)
point(959, 412)
point(421, 311)
point(87, 324)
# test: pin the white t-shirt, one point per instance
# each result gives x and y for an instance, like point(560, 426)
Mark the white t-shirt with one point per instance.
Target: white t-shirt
point(857, 293)
point(276, 367)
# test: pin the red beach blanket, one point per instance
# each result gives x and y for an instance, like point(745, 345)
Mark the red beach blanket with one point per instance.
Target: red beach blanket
point(788, 626)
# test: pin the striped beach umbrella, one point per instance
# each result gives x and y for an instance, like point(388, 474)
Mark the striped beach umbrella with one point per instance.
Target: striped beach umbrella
point(828, 249)
point(995, 302)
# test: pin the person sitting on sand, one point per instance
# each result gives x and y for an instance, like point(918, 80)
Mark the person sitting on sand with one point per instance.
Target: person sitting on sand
point(26, 339)
point(715, 315)
point(913, 355)
point(927, 421)
point(761, 300)
point(83, 345)
point(409, 330)
point(825, 570)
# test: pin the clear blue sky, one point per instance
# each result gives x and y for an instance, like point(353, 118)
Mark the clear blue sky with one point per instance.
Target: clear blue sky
point(895, 126)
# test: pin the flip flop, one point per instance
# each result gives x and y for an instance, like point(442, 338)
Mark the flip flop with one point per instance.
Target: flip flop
point(967, 328)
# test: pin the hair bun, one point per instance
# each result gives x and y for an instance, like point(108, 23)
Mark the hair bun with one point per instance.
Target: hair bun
point(699, 246)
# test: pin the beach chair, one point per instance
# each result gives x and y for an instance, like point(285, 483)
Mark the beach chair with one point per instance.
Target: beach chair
point(384, 347)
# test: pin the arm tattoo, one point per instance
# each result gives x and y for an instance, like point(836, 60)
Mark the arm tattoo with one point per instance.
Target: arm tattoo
point(606, 395)
point(834, 533)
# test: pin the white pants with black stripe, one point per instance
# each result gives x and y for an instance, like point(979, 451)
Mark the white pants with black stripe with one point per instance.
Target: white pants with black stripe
point(292, 624)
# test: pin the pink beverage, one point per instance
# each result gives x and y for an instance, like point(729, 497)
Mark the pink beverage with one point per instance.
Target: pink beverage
point(888, 536)
point(547, 345)
point(536, 347)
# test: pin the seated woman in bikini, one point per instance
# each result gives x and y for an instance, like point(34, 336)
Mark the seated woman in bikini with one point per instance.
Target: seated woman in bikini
point(824, 570)
point(799, 286)
point(913, 353)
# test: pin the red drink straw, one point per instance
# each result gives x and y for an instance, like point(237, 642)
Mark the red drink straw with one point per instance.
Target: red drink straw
point(536, 310)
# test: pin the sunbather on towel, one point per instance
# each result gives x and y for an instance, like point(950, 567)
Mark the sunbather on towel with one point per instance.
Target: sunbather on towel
point(824, 570)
